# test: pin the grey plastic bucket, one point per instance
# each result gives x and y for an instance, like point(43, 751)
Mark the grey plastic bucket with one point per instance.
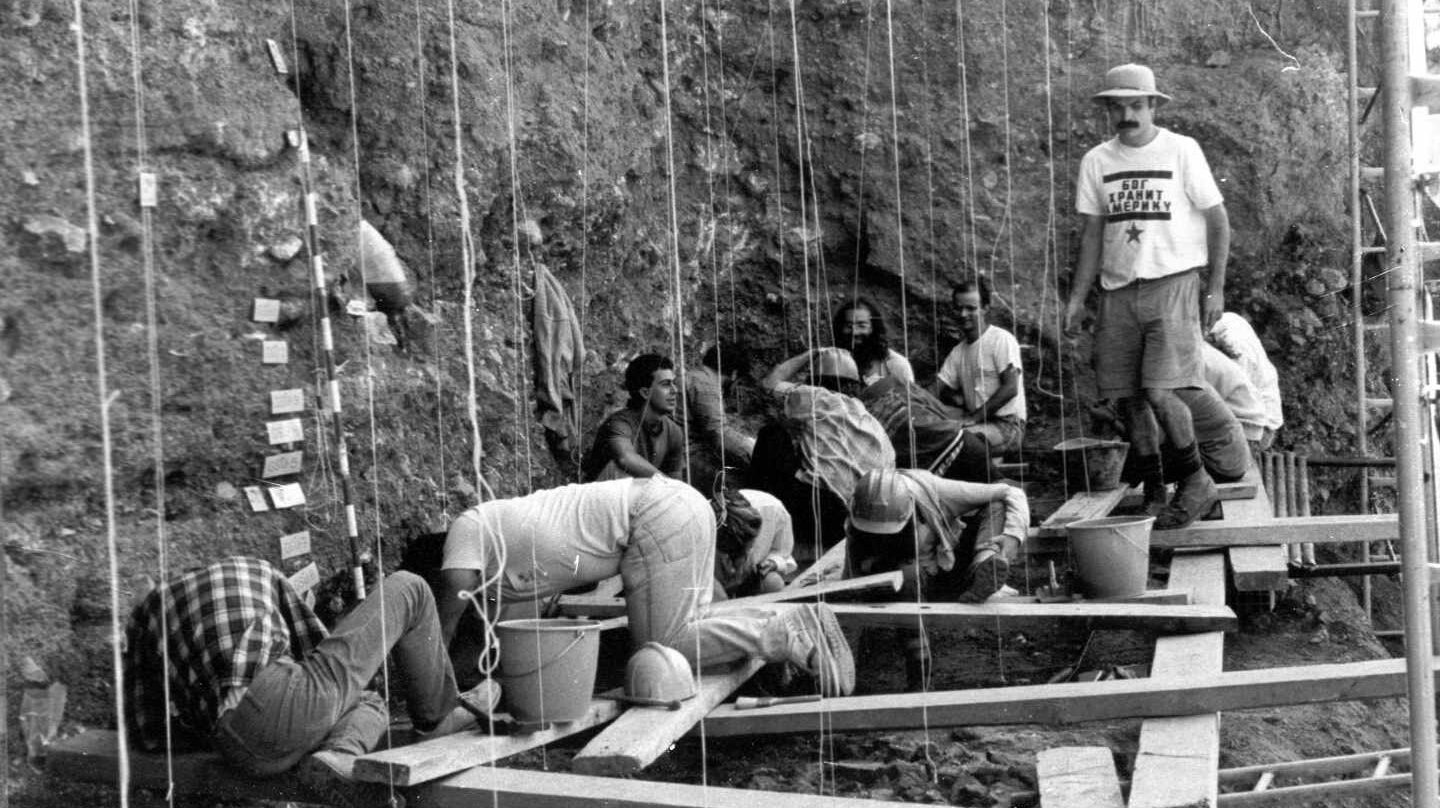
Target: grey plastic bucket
point(547, 668)
point(1112, 555)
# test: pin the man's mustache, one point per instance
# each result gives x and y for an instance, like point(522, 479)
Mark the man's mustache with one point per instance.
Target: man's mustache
point(1128, 125)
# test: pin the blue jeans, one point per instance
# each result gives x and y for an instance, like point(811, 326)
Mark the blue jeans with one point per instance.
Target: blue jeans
point(668, 567)
point(293, 708)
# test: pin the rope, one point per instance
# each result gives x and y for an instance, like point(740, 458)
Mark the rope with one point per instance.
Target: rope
point(369, 367)
point(677, 330)
point(152, 346)
point(467, 261)
point(105, 399)
point(420, 91)
point(905, 342)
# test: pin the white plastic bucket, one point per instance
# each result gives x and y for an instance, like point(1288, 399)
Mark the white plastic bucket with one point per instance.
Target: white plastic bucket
point(547, 668)
point(1112, 555)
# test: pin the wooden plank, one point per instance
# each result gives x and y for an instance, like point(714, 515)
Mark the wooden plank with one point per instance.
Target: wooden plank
point(428, 760)
point(1238, 491)
point(828, 567)
point(1177, 760)
point(1084, 505)
point(93, 757)
point(1319, 529)
point(1078, 777)
point(496, 787)
point(642, 734)
point(1074, 702)
point(1096, 616)
point(1259, 569)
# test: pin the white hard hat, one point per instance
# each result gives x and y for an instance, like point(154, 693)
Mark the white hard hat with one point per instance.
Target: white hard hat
point(658, 674)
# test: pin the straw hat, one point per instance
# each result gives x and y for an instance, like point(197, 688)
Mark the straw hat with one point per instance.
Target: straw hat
point(1130, 81)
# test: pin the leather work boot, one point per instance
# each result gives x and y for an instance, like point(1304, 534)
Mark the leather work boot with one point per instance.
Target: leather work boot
point(1195, 496)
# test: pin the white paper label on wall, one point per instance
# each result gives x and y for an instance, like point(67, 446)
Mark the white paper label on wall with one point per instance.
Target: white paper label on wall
point(286, 401)
point(288, 431)
point(275, 352)
point(294, 544)
point(267, 310)
point(149, 193)
point(306, 579)
point(282, 464)
point(277, 57)
point(257, 498)
point(357, 308)
point(288, 495)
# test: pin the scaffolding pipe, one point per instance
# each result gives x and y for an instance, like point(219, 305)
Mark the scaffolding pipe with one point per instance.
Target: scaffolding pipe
point(1402, 269)
point(1357, 282)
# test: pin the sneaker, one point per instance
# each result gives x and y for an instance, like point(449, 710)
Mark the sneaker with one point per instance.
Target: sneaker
point(328, 776)
point(1196, 496)
point(818, 646)
point(466, 715)
point(986, 578)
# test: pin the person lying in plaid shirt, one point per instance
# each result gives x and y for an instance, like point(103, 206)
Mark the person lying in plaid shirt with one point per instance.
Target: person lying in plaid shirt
point(252, 671)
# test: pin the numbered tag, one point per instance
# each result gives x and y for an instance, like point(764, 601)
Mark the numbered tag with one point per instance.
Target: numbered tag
point(294, 544)
point(282, 464)
point(275, 352)
point(256, 498)
point(277, 57)
point(287, 401)
point(267, 310)
point(149, 193)
point(289, 495)
point(306, 579)
point(287, 431)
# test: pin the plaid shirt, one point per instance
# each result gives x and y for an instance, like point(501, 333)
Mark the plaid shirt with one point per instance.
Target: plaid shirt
point(226, 622)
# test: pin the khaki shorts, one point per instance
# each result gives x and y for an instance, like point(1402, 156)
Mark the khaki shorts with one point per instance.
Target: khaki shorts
point(1148, 336)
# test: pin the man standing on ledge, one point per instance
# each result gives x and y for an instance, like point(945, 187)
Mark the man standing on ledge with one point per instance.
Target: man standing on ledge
point(1154, 219)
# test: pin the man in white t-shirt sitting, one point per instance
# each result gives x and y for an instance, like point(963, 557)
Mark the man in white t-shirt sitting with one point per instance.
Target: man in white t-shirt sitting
point(981, 375)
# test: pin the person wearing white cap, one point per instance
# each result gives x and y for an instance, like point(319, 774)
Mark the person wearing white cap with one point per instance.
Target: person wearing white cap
point(1154, 221)
point(913, 521)
point(812, 457)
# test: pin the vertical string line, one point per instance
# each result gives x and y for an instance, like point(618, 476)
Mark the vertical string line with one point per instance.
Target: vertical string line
point(152, 350)
point(420, 91)
point(105, 399)
point(905, 337)
point(368, 353)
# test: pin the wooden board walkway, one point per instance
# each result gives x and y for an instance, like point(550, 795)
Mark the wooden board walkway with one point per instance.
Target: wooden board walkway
point(1078, 777)
point(1187, 619)
point(428, 760)
point(494, 787)
point(1075, 702)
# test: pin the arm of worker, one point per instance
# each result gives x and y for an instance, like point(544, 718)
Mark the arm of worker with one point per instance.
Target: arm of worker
point(1009, 386)
point(616, 440)
point(1217, 240)
point(450, 606)
point(947, 385)
point(1092, 234)
point(781, 556)
point(958, 498)
point(780, 376)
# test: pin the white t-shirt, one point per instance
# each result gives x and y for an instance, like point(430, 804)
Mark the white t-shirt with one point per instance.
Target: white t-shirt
point(895, 364)
point(1152, 198)
point(554, 540)
point(776, 537)
point(1234, 333)
point(974, 369)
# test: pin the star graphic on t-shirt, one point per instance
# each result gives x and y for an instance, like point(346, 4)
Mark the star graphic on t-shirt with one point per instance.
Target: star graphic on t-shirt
point(1132, 236)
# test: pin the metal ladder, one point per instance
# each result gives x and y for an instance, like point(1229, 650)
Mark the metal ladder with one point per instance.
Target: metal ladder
point(1425, 145)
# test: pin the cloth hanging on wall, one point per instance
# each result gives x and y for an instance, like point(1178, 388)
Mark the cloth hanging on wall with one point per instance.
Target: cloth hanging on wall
point(559, 353)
